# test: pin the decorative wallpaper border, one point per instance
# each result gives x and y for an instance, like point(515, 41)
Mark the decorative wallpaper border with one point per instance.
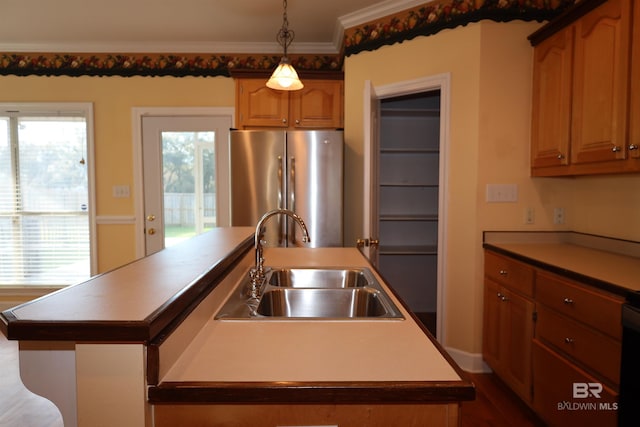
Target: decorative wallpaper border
point(425, 20)
point(127, 65)
point(438, 15)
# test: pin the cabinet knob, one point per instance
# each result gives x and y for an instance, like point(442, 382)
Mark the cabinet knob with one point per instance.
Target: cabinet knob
point(560, 156)
point(616, 148)
point(502, 272)
point(568, 340)
point(633, 147)
point(567, 301)
point(284, 121)
point(297, 122)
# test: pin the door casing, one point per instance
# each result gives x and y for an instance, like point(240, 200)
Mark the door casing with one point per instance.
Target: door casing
point(137, 114)
point(441, 82)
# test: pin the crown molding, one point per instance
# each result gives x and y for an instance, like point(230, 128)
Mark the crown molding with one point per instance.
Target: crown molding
point(377, 11)
point(178, 47)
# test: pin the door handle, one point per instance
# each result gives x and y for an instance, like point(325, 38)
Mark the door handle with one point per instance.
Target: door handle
point(361, 243)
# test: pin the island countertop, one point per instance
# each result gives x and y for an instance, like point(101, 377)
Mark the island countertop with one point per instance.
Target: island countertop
point(263, 359)
point(135, 302)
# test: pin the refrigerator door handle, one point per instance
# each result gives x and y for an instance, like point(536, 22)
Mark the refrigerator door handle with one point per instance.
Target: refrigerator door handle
point(280, 197)
point(292, 197)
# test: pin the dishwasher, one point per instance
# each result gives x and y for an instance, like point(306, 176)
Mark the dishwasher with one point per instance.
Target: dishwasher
point(629, 398)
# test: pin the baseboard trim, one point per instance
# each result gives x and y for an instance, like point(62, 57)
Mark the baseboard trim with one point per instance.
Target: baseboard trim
point(469, 362)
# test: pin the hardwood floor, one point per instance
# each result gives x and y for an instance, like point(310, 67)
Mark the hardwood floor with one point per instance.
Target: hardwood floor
point(495, 405)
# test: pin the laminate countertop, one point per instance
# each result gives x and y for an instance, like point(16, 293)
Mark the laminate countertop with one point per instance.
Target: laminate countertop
point(135, 302)
point(610, 264)
point(321, 360)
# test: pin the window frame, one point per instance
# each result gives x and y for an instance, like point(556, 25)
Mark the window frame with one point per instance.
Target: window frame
point(52, 109)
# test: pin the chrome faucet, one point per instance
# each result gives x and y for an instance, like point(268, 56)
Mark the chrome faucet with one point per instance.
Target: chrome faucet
point(258, 273)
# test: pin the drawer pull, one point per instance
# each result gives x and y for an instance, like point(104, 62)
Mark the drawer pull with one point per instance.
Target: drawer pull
point(503, 272)
point(568, 301)
point(502, 297)
point(568, 340)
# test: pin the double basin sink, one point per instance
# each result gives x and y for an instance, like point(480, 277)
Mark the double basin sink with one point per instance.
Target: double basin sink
point(312, 293)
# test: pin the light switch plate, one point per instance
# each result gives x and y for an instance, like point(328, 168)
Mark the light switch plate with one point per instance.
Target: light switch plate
point(502, 193)
point(121, 191)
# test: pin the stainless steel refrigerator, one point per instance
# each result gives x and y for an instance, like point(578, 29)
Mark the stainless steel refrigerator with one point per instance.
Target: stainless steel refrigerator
point(297, 170)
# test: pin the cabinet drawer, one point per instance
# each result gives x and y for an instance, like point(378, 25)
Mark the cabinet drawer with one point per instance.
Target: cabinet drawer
point(593, 349)
point(557, 399)
point(509, 272)
point(596, 309)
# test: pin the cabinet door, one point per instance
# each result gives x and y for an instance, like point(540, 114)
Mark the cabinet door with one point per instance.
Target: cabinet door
point(491, 339)
point(317, 105)
point(260, 106)
point(601, 83)
point(551, 119)
point(517, 328)
point(634, 116)
point(557, 400)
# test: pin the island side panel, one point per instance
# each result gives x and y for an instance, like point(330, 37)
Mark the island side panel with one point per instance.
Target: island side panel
point(445, 414)
point(48, 369)
point(111, 385)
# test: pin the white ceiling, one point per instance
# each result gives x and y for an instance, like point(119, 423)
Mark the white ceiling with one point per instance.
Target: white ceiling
point(196, 26)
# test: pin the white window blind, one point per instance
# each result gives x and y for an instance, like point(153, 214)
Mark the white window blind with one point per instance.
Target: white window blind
point(44, 197)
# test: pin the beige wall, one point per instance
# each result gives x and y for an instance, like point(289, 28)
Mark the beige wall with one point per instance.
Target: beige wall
point(113, 99)
point(490, 66)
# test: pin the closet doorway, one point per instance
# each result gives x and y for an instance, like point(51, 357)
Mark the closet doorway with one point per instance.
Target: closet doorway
point(408, 161)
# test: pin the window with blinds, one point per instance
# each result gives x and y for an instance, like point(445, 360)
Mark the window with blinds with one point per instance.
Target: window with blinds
point(44, 199)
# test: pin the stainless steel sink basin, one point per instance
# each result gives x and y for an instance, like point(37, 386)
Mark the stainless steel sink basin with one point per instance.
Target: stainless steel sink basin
point(325, 303)
point(318, 278)
point(312, 293)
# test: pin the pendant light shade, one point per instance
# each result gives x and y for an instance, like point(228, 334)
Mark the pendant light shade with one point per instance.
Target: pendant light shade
point(285, 76)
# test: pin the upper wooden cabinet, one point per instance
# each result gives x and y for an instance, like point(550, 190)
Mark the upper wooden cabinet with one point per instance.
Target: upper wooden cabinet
point(552, 77)
point(318, 105)
point(634, 133)
point(581, 93)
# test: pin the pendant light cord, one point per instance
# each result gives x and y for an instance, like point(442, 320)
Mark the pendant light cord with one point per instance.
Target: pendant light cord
point(285, 35)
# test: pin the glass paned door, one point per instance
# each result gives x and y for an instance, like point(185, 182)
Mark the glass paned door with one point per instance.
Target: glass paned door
point(188, 171)
point(185, 177)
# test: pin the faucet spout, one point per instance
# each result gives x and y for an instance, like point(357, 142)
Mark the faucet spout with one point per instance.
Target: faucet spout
point(258, 273)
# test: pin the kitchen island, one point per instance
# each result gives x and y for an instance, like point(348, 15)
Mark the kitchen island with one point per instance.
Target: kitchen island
point(141, 346)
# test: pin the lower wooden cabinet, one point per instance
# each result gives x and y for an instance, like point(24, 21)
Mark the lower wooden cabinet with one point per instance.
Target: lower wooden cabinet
point(558, 347)
point(565, 395)
point(508, 331)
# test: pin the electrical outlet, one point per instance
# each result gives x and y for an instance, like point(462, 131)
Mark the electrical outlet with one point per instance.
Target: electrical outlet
point(558, 216)
point(529, 215)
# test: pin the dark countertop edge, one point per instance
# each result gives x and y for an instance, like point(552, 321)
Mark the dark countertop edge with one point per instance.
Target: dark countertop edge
point(312, 392)
point(563, 20)
point(588, 280)
point(171, 313)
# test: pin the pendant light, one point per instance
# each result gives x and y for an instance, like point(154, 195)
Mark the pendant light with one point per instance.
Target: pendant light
point(285, 77)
